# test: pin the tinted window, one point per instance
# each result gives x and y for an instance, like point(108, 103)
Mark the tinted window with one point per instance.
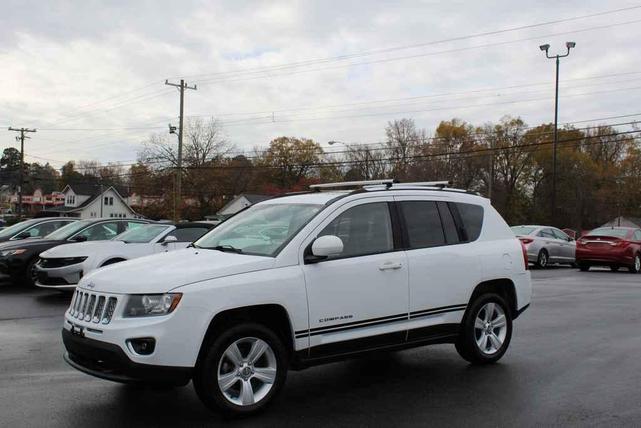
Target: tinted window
point(472, 217)
point(449, 226)
point(423, 224)
point(365, 229)
point(189, 234)
point(100, 232)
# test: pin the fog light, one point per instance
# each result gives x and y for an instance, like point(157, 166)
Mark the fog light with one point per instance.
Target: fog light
point(143, 346)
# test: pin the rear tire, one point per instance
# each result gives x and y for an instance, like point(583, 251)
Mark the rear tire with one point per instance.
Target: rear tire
point(636, 265)
point(486, 330)
point(614, 268)
point(227, 379)
point(584, 267)
point(543, 259)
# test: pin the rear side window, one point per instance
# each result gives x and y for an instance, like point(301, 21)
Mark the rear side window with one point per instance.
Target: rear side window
point(472, 218)
point(423, 223)
point(189, 234)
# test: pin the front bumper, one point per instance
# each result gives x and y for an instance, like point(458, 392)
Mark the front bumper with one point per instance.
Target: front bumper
point(62, 278)
point(108, 361)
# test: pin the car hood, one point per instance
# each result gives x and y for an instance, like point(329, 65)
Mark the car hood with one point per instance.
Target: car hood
point(163, 272)
point(29, 243)
point(81, 249)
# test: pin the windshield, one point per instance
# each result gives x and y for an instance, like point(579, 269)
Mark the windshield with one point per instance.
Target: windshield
point(523, 230)
point(610, 231)
point(68, 230)
point(260, 230)
point(142, 234)
point(12, 230)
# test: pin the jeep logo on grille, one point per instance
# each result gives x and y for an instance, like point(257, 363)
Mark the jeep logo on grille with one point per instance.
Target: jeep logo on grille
point(90, 285)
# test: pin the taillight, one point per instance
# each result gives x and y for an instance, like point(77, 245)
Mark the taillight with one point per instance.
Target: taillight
point(526, 240)
point(581, 241)
point(619, 243)
point(525, 261)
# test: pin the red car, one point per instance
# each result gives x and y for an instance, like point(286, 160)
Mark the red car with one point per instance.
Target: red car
point(615, 247)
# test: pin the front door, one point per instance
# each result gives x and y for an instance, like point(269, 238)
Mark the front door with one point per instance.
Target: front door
point(359, 298)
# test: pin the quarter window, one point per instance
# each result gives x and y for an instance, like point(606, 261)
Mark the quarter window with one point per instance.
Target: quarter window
point(364, 229)
point(100, 232)
point(423, 223)
point(472, 217)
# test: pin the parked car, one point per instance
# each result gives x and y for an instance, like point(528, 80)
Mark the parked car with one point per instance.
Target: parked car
point(62, 267)
point(18, 259)
point(299, 280)
point(546, 244)
point(33, 228)
point(615, 247)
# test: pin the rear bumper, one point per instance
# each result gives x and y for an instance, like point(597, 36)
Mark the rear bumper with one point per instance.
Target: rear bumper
point(611, 257)
point(108, 361)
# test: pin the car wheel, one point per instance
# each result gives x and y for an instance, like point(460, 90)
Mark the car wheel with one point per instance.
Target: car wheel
point(584, 267)
point(543, 259)
point(486, 330)
point(636, 266)
point(241, 370)
point(31, 273)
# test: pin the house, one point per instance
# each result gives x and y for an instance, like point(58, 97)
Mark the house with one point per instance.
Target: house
point(93, 201)
point(37, 202)
point(240, 202)
point(624, 222)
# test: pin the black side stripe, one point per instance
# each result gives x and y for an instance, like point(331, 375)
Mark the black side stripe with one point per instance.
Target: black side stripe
point(378, 321)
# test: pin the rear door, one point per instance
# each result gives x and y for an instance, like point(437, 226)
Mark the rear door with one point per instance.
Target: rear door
point(550, 243)
point(566, 245)
point(442, 269)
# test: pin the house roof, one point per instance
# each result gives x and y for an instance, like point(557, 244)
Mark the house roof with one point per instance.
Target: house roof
point(252, 198)
point(79, 207)
point(94, 189)
point(624, 221)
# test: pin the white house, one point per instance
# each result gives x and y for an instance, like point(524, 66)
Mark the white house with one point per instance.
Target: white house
point(93, 201)
point(240, 202)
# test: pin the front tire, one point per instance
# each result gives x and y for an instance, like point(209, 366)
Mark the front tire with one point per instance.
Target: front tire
point(31, 273)
point(241, 370)
point(486, 330)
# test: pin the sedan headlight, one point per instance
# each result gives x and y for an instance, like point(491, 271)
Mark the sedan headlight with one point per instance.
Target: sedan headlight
point(7, 253)
point(144, 305)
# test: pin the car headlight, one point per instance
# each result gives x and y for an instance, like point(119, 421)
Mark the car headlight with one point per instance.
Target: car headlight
point(144, 305)
point(7, 253)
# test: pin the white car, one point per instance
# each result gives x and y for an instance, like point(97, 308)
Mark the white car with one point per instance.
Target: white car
point(300, 280)
point(62, 267)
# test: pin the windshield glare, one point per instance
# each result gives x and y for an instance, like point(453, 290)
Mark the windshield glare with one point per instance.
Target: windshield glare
point(523, 230)
point(142, 234)
point(12, 230)
point(610, 231)
point(260, 230)
point(66, 231)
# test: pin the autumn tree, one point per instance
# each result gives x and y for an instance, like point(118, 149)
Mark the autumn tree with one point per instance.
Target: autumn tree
point(288, 162)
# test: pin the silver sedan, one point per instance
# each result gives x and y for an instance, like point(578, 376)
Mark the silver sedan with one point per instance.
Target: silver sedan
point(546, 244)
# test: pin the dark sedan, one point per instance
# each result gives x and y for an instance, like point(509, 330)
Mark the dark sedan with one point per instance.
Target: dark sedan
point(18, 258)
point(615, 247)
point(34, 228)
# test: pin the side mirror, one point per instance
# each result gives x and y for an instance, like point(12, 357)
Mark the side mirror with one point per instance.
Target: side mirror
point(169, 239)
point(323, 247)
point(79, 238)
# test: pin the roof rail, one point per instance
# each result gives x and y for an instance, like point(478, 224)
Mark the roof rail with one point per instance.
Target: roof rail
point(387, 182)
point(440, 184)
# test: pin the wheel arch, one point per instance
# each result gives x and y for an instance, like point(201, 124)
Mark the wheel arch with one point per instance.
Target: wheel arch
point(112, 260)
point(273, 316)
point(504, 287)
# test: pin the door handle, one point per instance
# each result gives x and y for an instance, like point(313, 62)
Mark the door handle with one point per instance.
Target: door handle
point(390, 266)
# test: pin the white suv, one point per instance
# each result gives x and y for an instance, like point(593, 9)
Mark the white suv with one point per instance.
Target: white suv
point(301, 280)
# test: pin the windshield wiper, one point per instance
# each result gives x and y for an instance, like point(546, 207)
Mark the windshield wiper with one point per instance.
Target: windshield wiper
point(227, 248)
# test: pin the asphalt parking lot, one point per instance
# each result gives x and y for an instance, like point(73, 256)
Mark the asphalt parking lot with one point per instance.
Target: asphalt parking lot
point(575, 360)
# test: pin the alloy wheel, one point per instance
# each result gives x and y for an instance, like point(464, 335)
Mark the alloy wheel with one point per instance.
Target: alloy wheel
point(543, 259)
point(637, 263)
point(490, 328)
point(247, 371)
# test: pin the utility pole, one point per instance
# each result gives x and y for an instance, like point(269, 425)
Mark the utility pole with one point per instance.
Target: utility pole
point(545, 48)
point(182, 86)
point(21, 179)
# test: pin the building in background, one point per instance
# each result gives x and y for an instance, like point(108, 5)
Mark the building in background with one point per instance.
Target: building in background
point(240, 202)
point(92, 201)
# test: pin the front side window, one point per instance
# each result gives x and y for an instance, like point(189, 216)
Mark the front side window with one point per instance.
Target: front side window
point(16, 228)
point(261, 230)
point(141, 235)
point(188, 234)
point(364, 229)
point(68, 230)
point(560, 235)
point(100, 232)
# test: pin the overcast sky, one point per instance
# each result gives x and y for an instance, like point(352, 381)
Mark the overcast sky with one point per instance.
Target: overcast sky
point(86, 72)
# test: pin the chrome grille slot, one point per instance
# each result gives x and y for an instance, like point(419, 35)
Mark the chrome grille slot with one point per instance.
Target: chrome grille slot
point(92, 307)
point(97, 315)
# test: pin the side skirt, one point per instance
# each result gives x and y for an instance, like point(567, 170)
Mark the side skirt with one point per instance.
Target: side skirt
point(323, 354)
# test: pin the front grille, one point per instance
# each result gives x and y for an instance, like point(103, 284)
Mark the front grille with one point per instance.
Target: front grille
point(92, 307)
point(45, 279)
point(50, 263)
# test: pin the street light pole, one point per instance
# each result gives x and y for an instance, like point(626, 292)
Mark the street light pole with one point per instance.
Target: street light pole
point(546, 48)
